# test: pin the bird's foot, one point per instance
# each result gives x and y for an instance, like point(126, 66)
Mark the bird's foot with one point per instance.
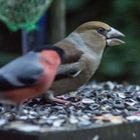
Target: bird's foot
point(60, 101)
point(64, 102)
point(49, 96)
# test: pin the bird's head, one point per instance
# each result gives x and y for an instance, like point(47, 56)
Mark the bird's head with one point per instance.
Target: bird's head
point(99, 34)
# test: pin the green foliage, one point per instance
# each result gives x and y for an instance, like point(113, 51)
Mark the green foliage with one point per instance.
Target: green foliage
point(75, 4)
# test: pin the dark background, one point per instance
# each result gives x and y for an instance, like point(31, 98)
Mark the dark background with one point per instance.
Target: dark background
point(121, 63)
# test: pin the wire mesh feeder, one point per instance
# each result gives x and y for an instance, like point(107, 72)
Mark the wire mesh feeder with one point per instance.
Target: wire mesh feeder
point(22, 14)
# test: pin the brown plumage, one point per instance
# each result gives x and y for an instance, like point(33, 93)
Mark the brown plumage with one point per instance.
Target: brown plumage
point(83, 49)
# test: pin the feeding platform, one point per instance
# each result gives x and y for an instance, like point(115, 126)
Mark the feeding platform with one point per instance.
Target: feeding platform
point(102, 111)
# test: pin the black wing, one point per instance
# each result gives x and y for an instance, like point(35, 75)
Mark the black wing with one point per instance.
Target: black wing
point(68, 70)
point(22, 72)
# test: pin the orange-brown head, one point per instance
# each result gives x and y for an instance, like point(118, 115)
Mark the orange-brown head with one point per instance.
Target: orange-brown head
point(100, 32)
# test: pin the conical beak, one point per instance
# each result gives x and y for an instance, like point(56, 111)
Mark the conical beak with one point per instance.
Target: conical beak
point(112, 39)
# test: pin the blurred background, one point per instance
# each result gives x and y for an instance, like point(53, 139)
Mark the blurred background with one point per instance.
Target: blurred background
point(121, 63)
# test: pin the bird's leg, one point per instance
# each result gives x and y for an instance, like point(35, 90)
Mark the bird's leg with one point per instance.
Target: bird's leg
point(19, 108)
point(49, 95)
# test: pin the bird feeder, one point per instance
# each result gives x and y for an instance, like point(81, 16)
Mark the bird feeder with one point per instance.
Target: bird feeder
point(107, 111)
point(22, 14)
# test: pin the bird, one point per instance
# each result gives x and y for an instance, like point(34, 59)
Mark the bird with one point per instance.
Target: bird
point(29, 75)
point(83, 49)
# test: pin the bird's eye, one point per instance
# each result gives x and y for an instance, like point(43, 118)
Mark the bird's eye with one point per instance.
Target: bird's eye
point(101, 30)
